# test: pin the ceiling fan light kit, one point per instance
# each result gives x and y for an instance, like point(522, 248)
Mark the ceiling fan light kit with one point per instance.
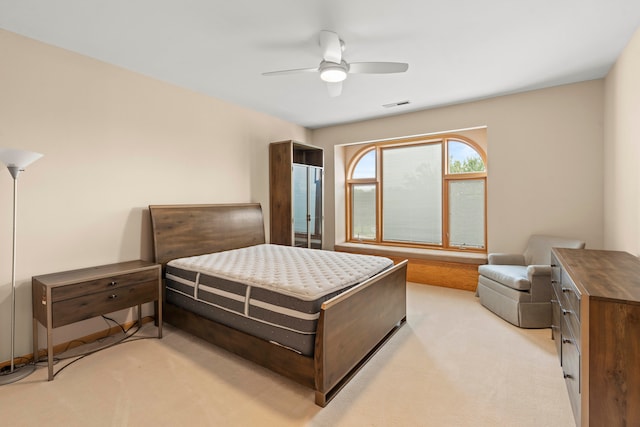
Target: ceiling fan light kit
point(333, 69)
point(332, 72)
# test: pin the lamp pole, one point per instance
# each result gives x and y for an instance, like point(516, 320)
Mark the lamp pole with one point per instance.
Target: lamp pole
point(16, 161)
point(14, 172)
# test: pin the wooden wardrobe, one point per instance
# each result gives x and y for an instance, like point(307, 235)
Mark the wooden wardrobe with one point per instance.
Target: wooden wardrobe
point(296, 189)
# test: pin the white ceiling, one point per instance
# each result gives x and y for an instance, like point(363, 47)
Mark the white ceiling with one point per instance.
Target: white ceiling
point(457, 50)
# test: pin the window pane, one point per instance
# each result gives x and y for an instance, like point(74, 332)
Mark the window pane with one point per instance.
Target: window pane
point(366, 166)
point(412, 194)
point(466, 213)
point(364, 212)
point(463, 158)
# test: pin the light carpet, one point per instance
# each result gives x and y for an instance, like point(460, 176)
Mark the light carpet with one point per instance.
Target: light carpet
point(453, 363)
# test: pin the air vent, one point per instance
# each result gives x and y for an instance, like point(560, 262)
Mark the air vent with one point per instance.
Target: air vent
point(396, 104)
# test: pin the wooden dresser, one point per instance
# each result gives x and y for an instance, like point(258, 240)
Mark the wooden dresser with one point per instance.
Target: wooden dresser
point(70, 296)
point(596, 327)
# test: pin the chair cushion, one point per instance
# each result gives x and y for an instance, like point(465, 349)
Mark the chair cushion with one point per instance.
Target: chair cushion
point(513, 276)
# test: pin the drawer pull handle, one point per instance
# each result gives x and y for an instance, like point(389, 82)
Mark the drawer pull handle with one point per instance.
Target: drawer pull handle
point(566, 341)
point(113, 296)
point(113, 283)
point(565, 290)
point(565, 312)
point(565, 375)
point(554, 281)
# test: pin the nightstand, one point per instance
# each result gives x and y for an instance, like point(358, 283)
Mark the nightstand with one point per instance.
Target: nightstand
point(71, 296)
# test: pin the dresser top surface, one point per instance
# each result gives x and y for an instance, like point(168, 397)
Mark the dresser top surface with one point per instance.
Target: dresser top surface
point(603, 274)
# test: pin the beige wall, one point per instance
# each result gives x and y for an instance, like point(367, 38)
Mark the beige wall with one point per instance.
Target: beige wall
point(113, 143)
point(622, 152)
point(116, 141)
point(545, 170)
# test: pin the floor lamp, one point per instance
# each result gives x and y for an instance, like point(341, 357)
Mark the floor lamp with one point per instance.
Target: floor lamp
point(16, 161)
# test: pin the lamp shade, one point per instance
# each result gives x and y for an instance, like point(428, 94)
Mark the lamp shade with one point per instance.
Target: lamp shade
point(18, 158)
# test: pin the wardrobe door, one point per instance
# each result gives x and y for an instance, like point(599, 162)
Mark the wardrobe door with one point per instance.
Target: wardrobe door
point(315, 207)
point(300, 194)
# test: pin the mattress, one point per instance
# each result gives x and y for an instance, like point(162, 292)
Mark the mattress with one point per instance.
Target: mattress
point(270, 291)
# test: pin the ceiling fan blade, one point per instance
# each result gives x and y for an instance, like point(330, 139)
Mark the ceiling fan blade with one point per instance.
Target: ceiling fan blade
point(285, 72)
point(378, 67)
point(331, 46)
point(335, 89)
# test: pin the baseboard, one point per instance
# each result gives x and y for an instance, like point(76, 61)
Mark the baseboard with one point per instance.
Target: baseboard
point(59, 348)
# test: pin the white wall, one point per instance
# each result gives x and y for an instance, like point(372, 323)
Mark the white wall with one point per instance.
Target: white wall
point(113, 143)
point(622, 151)
point(545, 171)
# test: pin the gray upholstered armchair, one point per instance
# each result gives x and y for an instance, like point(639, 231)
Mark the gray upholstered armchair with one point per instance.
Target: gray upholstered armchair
point(517, 287)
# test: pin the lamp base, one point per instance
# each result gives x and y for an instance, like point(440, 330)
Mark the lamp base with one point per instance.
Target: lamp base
point(17, 374)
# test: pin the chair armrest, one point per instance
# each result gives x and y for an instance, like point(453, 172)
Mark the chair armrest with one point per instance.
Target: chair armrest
point(540, 278)
point(506, 259)
point(538, 270)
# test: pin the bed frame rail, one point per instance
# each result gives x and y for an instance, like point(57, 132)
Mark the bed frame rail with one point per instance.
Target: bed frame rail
point(344, 341)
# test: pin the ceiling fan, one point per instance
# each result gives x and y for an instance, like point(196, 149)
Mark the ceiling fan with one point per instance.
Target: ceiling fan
point(333, 68)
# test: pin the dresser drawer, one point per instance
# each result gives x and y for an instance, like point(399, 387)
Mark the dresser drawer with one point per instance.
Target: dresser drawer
point(556, 271)
point(570, 294)
point(556, 322)
point(570, 325)
point(106, 283)
point(567, 292)
point(95, 304)
point(571, 372)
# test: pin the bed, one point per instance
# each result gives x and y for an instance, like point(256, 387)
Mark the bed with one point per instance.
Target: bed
point(341, 343)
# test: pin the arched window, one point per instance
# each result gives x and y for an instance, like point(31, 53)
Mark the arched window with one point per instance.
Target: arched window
point(424, 192)
point(364, 195)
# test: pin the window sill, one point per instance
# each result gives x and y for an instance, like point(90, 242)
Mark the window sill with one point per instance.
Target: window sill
point(462, 257)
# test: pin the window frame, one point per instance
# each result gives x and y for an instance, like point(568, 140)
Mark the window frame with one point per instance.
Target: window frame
point(447, 177)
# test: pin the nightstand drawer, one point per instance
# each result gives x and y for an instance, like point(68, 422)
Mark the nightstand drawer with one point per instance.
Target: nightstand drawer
point(87, 306)
point(109, 283)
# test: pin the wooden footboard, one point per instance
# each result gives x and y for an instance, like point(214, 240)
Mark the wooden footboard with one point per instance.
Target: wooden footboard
point(354, 325)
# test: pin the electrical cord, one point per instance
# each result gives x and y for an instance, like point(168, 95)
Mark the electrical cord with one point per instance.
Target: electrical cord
point(126, 338)
point(77, 342)
point(18, 362)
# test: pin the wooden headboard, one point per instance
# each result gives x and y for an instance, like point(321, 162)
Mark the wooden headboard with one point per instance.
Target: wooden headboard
point(188, 230)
